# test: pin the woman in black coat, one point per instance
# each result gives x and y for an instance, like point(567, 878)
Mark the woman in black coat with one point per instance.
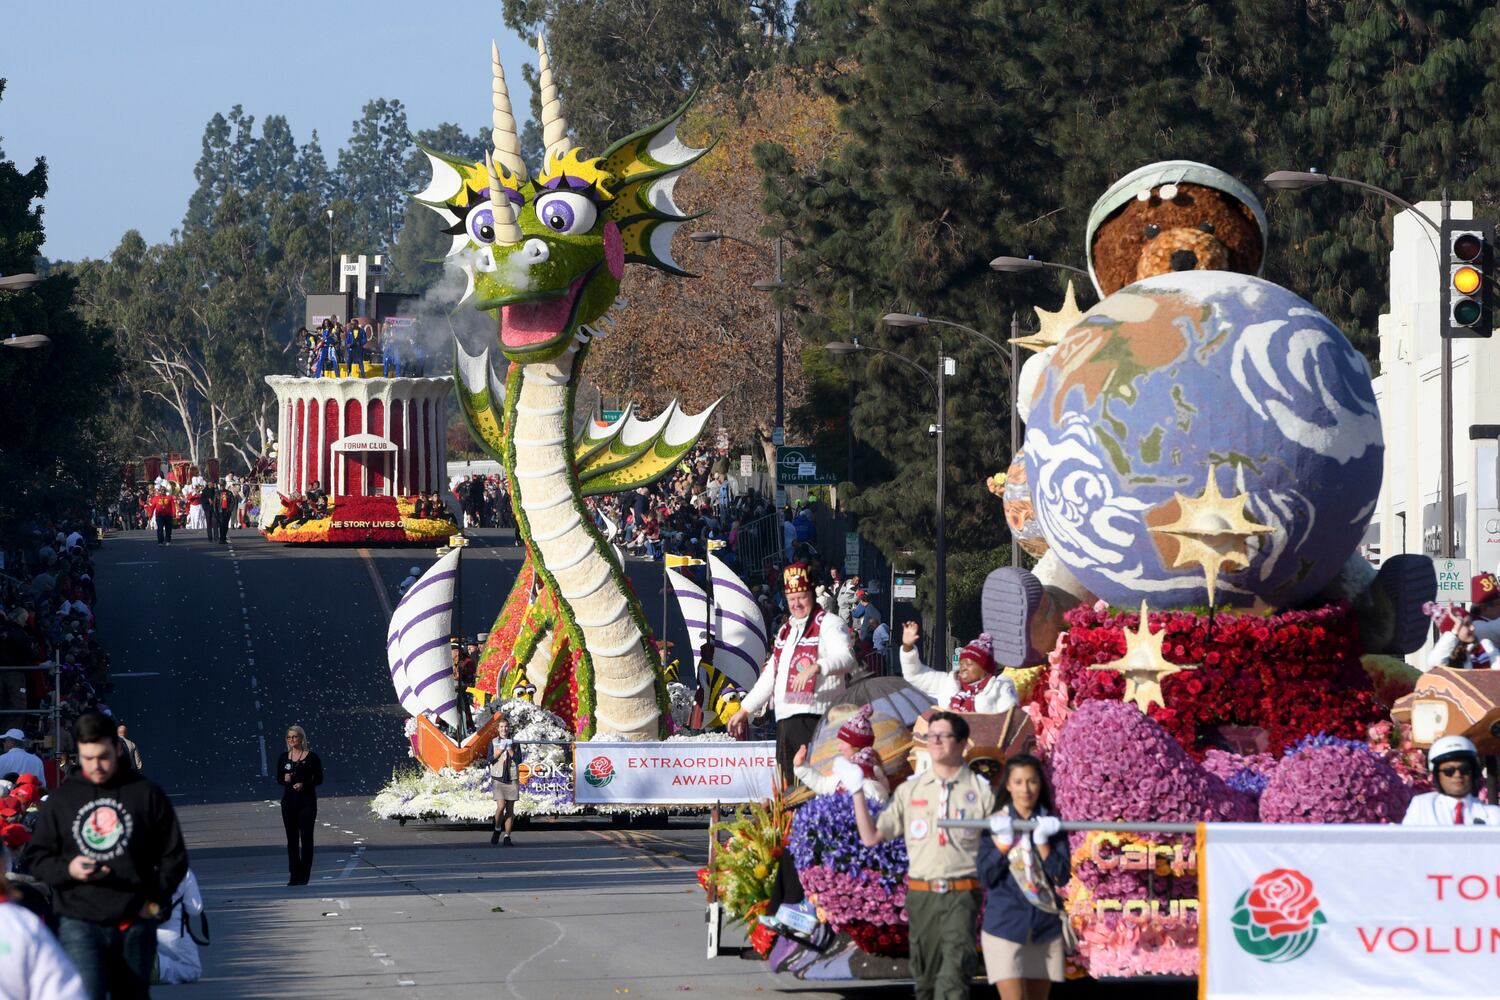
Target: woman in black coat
point(299, 772)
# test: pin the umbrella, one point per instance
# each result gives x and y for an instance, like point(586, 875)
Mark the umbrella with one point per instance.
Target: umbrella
point(890, 696)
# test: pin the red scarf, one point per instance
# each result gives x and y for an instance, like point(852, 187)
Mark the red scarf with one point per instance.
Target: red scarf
point(963, 698)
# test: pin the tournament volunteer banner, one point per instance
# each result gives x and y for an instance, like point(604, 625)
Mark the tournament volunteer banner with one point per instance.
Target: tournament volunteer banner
point(681, 773)
point(1349, 911)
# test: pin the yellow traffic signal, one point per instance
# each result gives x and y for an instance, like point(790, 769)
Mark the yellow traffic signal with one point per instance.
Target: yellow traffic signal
point(1466, 280)
point(1467, 302)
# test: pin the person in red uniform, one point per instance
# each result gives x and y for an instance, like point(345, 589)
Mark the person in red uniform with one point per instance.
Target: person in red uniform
point(163, 512)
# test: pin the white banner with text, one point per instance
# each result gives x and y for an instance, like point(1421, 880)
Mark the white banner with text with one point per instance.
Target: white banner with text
point(1330, 912)
point(679, 773)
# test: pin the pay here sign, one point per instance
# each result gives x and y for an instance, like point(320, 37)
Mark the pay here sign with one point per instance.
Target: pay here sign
point(675, 773)
point(1349, 911)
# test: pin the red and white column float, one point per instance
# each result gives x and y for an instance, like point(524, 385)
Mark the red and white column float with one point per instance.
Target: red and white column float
point(359, 436)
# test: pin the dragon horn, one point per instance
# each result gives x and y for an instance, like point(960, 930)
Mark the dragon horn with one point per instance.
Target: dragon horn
point(554, 125)
point(507, 233)
point(503, 133)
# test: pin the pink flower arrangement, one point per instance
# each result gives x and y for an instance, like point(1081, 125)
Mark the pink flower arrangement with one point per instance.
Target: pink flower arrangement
point(1112, 763)
point(1392, 742)
point(1334, 784)
point(847, 898)
point(1052, 703)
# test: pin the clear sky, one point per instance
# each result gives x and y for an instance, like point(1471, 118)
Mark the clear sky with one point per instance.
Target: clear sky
point(115, 94)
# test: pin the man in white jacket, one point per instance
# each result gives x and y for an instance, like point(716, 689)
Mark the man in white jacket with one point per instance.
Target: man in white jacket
point(975, 686)
point(1454, 761)
point(809, 662)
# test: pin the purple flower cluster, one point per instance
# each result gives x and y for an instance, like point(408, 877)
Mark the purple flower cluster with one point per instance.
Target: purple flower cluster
point(824, 833)
point(848, 897)
point(1322, 739)
point(1246, 774)
point(1113, 763)
point(1334, 784)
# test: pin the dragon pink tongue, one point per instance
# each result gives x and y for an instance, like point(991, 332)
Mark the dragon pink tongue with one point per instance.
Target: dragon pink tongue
point(528, 323)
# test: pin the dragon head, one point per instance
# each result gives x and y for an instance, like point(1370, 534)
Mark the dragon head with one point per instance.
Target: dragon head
point(546, 252)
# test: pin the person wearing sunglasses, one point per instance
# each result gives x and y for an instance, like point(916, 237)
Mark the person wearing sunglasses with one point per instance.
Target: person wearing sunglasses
point(1455, 773)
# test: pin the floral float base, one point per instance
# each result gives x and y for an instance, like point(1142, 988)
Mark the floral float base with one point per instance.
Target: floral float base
point(367, 521)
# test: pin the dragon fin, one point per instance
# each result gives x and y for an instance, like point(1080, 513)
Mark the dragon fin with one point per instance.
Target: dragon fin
point(643, 451)
point(646, 165)
point(592, 438)
point(481, 397)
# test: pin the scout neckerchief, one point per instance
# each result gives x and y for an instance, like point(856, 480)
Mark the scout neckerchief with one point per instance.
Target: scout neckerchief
point(1026, 869)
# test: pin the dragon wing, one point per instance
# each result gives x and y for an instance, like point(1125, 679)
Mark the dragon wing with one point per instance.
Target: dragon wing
point(481, 397)
point(642, 451)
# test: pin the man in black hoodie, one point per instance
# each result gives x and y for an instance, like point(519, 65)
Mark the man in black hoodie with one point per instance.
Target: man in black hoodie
point(108, 843)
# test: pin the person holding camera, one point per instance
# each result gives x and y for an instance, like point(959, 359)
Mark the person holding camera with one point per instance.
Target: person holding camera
point(108, 844)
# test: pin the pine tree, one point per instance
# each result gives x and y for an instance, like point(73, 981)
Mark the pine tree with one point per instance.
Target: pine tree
point(372, 173)
point(313, 176)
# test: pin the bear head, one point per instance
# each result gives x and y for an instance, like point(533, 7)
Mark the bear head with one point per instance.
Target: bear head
point(1173, 216)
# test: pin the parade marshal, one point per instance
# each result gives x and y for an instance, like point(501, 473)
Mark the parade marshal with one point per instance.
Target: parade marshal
point(810, 661)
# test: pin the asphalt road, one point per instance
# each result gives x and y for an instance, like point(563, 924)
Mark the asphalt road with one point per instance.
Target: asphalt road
point(217, 648)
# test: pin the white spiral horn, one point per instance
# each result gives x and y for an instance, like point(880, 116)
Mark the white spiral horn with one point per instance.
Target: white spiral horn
point(507, 232)
point(554, 125)
point(503, 123)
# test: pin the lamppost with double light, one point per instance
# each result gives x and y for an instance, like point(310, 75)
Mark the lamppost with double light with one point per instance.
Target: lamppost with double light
point(20, 283)
point(940, 551)
point(1009, 355)
point(1301, 180)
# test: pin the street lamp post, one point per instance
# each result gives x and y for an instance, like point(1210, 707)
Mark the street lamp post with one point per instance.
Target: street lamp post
point(1008, 354)
point(775, 284)
point(333, 278)
point(1021, 265)
point(940, 549)
point(1300, 180)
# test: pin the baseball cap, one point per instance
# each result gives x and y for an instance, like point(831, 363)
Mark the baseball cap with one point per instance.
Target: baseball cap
point(13, 734)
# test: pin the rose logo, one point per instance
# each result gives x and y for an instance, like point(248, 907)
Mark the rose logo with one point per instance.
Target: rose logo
point(1277, 918)
point(600, 773)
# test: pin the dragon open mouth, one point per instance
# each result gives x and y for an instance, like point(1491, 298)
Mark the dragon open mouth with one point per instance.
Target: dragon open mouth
point(538, 322)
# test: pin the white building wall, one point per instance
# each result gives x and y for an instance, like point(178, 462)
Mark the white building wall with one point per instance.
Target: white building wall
point(1408, 390)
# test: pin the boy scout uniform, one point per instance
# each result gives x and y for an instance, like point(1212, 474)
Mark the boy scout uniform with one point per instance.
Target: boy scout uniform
point(943, 891)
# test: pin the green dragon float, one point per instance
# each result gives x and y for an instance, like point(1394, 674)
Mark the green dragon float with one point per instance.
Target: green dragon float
point(544, 254)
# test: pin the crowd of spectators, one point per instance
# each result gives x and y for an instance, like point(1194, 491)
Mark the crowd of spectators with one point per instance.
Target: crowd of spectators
point(484, 500)
point(47, 597)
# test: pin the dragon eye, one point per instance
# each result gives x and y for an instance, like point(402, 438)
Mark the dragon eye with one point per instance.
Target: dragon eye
point(1152, 231)
point(480, 223)
point(1207, 227)
point(566, 213)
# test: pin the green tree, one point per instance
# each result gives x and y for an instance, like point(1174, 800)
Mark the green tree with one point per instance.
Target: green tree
point(372, 175)
point(53, 454)
point(621, 64)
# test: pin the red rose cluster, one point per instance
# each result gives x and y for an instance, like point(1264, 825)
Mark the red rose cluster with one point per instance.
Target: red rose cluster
point(890, 940)
point(1291, 674)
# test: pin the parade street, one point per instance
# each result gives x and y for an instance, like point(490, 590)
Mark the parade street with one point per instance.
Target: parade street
point(264, 636)
point(253, 637)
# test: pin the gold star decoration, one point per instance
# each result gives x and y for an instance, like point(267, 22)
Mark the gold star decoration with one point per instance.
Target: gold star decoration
point(1054, 325)
point(1212, 531)
point(1143, 666)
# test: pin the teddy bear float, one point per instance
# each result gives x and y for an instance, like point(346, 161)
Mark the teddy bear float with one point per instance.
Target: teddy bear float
point(1202, 456)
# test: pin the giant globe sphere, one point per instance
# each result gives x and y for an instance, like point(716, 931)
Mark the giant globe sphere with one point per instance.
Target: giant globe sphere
point(1180, 373)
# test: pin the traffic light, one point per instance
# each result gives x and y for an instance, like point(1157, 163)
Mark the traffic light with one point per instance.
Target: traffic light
point(1468, 274)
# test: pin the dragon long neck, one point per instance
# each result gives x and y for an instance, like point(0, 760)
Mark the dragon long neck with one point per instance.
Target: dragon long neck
point(601, 614)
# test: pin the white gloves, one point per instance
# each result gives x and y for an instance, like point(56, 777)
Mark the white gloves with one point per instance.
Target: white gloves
point(1046, 828)
point(850, 774)
point(503, 744)
point(1000, 827)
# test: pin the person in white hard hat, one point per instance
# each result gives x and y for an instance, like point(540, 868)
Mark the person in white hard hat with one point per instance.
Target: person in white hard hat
point(1454, 761)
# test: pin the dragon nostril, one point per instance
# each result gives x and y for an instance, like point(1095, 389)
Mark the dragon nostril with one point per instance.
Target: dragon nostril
point(1184, 260)
point(536, 252)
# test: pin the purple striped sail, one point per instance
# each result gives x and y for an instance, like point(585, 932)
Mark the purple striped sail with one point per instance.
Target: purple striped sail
point(693, 603)
point(417, 643)
point(739, 629)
